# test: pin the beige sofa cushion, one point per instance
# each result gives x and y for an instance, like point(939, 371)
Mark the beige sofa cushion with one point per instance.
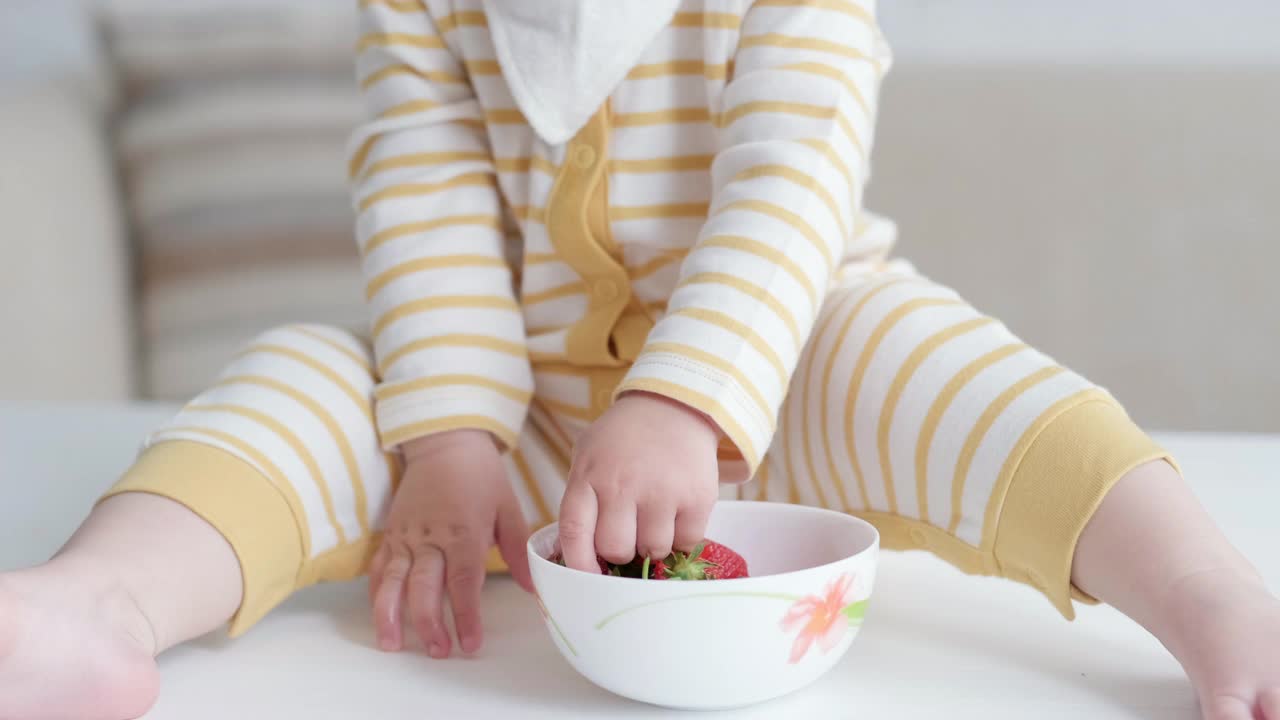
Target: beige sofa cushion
point(1123, 219)
point(64, 294)
point(231, 146)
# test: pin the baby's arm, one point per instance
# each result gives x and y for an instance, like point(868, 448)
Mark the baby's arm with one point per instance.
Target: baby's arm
point(447, 332)
point(796, 128)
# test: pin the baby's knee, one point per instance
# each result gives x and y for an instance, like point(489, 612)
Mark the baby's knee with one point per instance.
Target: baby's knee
point(337, 338)
point(873, 299)
point(328, 349)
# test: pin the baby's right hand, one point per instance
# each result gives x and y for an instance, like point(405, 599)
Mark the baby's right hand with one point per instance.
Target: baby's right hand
point(454, 500)
point(643, 480)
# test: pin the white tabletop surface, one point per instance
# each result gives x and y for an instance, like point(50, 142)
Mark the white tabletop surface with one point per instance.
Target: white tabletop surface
point(937, 644)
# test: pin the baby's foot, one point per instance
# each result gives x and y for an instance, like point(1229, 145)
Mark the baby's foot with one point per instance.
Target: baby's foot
point(1225, 630)
point(65, 653)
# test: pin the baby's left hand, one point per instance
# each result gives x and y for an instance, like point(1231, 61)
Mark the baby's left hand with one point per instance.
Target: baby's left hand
point(644, 478)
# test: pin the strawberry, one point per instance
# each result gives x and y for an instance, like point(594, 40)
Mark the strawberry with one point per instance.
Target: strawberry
point(709, 561)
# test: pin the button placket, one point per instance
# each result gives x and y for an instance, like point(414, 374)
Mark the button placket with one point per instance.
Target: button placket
point(577, 219)
point(584, 156)
point(605, 289)
point(600, 393)
point(603, 399)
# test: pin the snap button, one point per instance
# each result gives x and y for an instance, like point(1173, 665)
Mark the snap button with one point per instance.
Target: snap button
point(584, 156)
point(918, 537)
point(604, 398)
point(605, 289)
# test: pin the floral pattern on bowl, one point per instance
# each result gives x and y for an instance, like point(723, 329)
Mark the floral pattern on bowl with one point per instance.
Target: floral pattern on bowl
point(822, 618)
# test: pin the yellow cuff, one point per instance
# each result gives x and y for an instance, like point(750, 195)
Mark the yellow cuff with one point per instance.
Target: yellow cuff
point(1061, 480)
point(240, 503)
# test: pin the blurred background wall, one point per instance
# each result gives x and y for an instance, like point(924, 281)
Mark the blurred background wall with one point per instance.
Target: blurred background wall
point(1100, 175)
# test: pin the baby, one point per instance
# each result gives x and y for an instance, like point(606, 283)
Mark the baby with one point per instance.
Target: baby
point(617, 266)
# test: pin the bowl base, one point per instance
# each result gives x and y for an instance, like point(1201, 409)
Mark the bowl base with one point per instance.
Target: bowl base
point(717, 707)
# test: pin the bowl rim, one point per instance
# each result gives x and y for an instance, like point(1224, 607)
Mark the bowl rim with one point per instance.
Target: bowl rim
point(872, 547)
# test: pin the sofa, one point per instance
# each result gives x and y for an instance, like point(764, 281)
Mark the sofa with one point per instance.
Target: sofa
point(172, 179)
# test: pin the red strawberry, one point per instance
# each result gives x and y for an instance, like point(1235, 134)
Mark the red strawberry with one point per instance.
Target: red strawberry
point(709, 561)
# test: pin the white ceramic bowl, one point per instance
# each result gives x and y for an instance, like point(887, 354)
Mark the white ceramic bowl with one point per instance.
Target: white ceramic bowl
point(720, 643)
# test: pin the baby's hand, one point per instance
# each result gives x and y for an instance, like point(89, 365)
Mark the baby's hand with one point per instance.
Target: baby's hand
point(644, 478)
point(453, 502)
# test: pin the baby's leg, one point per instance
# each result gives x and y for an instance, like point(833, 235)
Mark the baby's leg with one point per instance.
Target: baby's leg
point(934, 422)
point(271, 480)
point(1152, 552)
point(78, 634)
point(913, 410)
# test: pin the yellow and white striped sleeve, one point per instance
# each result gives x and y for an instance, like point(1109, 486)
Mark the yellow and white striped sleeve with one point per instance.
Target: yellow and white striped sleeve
point(447, 330)
point(795, 125)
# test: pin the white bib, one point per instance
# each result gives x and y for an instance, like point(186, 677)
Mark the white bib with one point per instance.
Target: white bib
point(563, 58)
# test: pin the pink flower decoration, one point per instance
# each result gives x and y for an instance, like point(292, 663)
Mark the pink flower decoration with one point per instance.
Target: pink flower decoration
point(820, 619)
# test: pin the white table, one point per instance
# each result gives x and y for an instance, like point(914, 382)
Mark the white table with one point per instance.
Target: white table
point(937, 644)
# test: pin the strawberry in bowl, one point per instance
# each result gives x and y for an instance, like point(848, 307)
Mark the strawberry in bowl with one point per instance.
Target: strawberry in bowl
point(748, 636)
point(709, 560)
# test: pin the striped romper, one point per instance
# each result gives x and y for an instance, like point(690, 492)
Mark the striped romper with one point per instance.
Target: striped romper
point(698, 235)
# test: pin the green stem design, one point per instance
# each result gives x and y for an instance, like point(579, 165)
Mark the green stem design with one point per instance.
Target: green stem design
point(854, 612)
point(556, 625)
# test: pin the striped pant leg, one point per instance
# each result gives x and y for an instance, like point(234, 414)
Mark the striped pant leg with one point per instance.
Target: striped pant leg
point(282, 457)
point(539, 469)
point(915, 411)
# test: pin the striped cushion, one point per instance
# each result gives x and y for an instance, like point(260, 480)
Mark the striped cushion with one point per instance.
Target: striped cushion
point(231, 147)
point(161, 41)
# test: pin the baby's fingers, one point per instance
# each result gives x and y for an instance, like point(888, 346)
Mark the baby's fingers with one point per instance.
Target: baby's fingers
point(1229, 707)
point(691, 527)
point(387, 599)
point(1269, 703)
point(655, 529)
point(426, 601)
point(513, 533)
point(464, 576)
point(376, 565)
point(578, 526)
point(616, 530)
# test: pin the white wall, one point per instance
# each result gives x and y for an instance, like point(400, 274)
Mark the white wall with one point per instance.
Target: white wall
point(1084, 31)
point(50, 40)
